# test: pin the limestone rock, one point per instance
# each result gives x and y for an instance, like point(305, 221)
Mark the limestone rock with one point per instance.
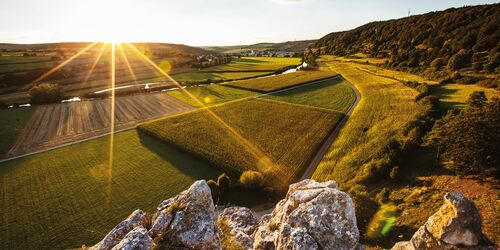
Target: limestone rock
point(189, 219)
point(311, 212)
point(238, 224)
point(137, 239)
point(456, 225)
point(119, 231)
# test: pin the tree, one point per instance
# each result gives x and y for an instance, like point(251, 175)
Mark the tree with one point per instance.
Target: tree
point(469, 142)
point(460, 60)
point(477, 99)
point(45, 93)
point(438, 63)
point(252, 179)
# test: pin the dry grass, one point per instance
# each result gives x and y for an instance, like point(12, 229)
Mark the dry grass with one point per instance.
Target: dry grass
point(385, 108)
point(275, 138)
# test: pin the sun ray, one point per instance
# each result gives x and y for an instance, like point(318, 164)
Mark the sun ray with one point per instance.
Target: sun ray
point(265, 162)
point(51, 71)
point(101, 52)
point(124, 56)
point(112, 125)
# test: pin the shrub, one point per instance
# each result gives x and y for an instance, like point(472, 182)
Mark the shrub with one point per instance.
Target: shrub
point(395, 175)
point(459, 61)
point(382, 196)
point(223, 182)
point(487, 83)
point(214, 189)
point(252, 179)
point(477, 99)
point(45, 93)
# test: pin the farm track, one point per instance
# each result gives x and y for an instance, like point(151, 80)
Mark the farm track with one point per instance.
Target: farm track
point(324, 148)
point(59, 124)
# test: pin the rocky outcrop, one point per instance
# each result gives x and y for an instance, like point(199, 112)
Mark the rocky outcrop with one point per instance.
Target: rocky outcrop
point(186, 221)
point(312, 216)
point(237, 224)
point(456, 225)
point(120, 230)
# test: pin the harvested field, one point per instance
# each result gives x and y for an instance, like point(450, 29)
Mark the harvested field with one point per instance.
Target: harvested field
point(56, 124)
point(276, 138)
point(268, 84)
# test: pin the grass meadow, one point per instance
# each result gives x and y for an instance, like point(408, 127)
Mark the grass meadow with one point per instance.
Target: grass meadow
point(268, 84)
point(334, 94)
point(70, 196)
point(275, 138)
point(385, 108)
point(11, 123)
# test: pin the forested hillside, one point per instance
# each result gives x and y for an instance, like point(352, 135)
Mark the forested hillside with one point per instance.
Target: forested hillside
point(435, 44)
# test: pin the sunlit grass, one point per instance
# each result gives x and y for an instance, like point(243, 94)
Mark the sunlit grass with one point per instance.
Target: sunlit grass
point(58, 198)
point(385, 108)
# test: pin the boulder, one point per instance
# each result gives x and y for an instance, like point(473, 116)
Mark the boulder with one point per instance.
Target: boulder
point(137, 239)
point(119, 231)
point(456, 225)
point(237, 224)
point(312, 216)
point(188, 220)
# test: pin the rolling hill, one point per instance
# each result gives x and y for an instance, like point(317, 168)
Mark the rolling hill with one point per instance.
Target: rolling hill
point(437, 43)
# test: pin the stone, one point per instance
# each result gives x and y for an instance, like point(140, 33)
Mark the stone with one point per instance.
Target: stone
point(119, 231)
point(311, 212)
point(192, 221)
point(238, 224)
point(137, 239)
point(456, 225)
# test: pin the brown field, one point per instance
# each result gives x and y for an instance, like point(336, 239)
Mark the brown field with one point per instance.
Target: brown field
point(57, 124)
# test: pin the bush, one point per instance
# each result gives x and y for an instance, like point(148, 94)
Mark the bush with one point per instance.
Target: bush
point(45, 93)
point(395, 175)
point(459, 61)
point(252, 179)
point(438, 63)
point(214, 189)
point(223, 182)
point(477, 99)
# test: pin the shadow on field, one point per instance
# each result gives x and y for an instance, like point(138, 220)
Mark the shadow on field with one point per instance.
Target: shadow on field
point(441, 92)
point(184, 162)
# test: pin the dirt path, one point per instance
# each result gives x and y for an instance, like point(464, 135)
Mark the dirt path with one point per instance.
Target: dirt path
point(326, 145)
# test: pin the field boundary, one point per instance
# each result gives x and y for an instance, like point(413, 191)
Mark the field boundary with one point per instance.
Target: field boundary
point(283, 88)
point(342, 122)
point(333, 135)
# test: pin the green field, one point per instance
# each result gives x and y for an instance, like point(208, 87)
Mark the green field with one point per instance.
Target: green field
point(210, 94)
point(268, 84)
point(201, 76)
point(385, 108)
point(70, 196)
point(11, 123)
point(276, 138)
point(334, 94)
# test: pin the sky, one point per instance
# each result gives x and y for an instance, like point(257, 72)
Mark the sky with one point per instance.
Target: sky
point(197, 22)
